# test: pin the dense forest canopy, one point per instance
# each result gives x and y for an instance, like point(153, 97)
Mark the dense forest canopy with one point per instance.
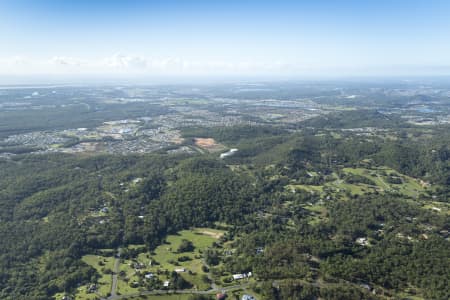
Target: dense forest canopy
point(330, 212)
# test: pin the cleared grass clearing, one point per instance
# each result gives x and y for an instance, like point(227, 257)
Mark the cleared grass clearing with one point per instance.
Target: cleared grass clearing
point(409, 186)
point(201, 238)
point(124, 288)
point(404, 295)
point(105, 281)
point(308, 188)
point(164, 260)
point(81, 295)
point(95, 260)
point(381, 177)
point(438, 207)
point(164, 297)
point(354, 189)
point(319, 213)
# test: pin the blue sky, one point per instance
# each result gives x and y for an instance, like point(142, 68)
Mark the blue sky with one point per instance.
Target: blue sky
point(232, 38)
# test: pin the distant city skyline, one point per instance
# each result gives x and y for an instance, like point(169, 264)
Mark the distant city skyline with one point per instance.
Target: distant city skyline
point(245, 39)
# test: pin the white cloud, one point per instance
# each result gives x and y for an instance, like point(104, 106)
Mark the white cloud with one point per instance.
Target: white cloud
point(129, 64)
point(122, 65)
point(66, 61)
point(125, 61)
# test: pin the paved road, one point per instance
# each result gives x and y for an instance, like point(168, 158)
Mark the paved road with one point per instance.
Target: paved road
point(162, 292)
point(209, 275)
point(114, 276)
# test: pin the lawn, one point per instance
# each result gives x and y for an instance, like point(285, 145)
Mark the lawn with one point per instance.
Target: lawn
point(409, 187)
point(104, 283)
point(319, 213)
point(165, 257)
point(438, 207)
point(164, 297)
point(309, 188)
point(201, 238)
point(231, 295)
point(339, 189)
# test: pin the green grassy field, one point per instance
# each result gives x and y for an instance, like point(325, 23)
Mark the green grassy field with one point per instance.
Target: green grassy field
point(338, 188)
point(309, 188)
point(165, 257)
point(231, 295)
point(438, 207)
point(202, 238)
point(378, 175)
point(104, 283)
point(319, 213)
point(163, 297)
point(409, 186)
